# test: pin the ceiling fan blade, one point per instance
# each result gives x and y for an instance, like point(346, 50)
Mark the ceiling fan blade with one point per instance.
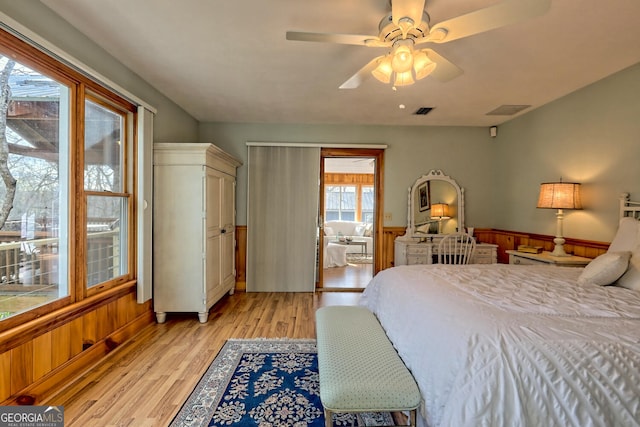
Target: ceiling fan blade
point(445, 70)
point(363, 73)
point(407, 9)
point(331, 38)
point(502, 14)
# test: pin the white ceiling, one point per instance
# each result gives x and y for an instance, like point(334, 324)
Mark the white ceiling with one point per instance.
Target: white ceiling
point(349, 165)
point(229, 61)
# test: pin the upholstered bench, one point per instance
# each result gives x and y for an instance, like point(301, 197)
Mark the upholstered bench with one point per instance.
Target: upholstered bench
point(359, 369)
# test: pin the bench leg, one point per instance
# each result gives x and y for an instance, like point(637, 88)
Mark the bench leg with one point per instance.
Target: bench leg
point(412, 418)
point(328, 418)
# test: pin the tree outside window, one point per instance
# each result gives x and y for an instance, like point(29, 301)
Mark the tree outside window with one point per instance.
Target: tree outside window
point(34, 189)
point(64, 175)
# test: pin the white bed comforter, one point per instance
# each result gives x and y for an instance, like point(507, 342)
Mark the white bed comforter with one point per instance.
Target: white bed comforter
point(504, 345)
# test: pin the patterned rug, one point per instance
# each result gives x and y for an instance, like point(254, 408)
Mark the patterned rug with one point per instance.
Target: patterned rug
point(267, 383)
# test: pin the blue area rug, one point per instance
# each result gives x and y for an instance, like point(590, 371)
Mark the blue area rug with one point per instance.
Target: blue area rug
point(267, 383)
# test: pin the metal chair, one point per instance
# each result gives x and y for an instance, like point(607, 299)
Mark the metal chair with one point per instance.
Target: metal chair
point(456, 248)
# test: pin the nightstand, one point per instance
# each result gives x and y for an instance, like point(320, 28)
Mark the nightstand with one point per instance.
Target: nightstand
point(524, 258)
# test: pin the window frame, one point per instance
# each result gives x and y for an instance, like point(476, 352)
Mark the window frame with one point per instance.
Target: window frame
point(358, 215)
point(81, 87)
point(127, 192)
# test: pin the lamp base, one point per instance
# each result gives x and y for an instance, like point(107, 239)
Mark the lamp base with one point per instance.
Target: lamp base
point(558, 250)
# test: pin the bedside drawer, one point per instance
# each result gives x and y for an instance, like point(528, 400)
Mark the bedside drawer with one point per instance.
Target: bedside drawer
point(485, 253)
point(417, 259)
point(418, 250)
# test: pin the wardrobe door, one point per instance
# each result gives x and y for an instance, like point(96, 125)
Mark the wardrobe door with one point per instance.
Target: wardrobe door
point(214, 236)
point(228, 230)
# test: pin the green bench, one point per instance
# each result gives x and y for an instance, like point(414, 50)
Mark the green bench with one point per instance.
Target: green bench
point(359, 369)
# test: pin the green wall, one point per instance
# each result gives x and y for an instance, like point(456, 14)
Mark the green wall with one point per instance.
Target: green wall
point(591, 136)
point(464, 153)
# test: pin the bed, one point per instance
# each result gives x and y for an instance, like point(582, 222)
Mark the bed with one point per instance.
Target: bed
point(520, 345)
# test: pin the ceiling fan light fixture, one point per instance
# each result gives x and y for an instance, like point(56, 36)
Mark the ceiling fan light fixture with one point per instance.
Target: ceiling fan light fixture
point(383, 71)
point(404, 79)
point(422, 65)
point(405, 25)
point(408, 25)
point(402, 56)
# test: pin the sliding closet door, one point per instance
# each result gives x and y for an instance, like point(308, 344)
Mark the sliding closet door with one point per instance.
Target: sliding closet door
point(282, 211)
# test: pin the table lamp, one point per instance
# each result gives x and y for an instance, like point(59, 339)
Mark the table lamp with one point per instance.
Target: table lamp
point(559, 195)
point(439, 212)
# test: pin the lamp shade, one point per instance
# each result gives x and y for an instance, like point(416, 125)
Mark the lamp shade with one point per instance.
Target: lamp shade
point(403, 65)
point(422, 65)
point(439, 210)
point(404, 79)
point(560, 195)
point(402, 60)
point(383, 71)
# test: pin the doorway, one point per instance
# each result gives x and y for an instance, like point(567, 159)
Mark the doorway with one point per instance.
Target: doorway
point(350, 228)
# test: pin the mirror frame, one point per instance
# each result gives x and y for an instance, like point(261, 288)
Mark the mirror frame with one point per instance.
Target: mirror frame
point(433, 175)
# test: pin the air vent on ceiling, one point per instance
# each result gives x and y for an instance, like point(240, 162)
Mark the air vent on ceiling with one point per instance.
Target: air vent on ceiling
point(507, 110)
point(422, 111)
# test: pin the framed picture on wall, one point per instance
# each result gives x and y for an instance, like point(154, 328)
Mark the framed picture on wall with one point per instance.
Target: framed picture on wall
point(424, 197)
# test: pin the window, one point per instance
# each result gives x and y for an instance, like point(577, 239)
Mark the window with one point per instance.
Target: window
point(340, 202)
point(367, 196)
point(107, 203)
point(66, 153)
point(349, 203)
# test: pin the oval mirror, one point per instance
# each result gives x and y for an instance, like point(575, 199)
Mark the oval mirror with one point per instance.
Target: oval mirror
point(435, 206)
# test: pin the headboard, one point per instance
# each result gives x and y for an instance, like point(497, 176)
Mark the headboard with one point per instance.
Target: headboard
point(629, 208)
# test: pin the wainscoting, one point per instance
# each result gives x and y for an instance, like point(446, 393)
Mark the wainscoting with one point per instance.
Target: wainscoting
point(505, 239)
point(40, 356)
point(508, 240)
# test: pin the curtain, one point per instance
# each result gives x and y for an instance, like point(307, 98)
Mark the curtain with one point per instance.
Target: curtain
point(144, 203)
point(282, 210)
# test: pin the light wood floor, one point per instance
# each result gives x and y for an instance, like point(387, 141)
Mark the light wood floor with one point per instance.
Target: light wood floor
point(351, 276)
point(146, 380)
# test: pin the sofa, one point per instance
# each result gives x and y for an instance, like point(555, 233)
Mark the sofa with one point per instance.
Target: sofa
point(359, 231)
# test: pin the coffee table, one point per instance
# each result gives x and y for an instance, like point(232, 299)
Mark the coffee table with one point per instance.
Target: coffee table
point(361, 243)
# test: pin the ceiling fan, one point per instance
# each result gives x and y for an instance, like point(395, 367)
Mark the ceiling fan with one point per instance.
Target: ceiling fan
point(407, 26)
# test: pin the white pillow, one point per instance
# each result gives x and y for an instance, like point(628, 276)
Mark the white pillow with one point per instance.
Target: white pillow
point(631, 279)
point(359, 230)
point(328, 231)
point(626, 238)
point(368, 230)
point(605, 269)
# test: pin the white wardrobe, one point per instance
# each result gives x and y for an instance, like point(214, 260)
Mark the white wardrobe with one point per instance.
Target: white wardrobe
point(194, 227)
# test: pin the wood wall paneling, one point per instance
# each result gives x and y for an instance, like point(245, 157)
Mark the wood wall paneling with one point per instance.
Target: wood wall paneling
point(348, 178)
point(5, 378)
point(390, 234)
point(21, 369)
point(41, 357)
point(506, 240)
point(509, 240)
point(241, 257)
point(62, 338)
